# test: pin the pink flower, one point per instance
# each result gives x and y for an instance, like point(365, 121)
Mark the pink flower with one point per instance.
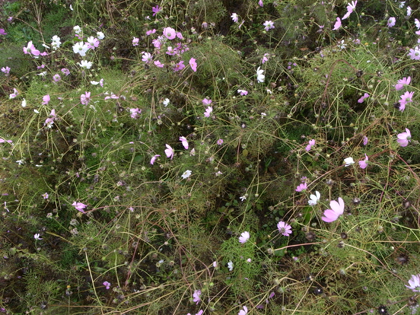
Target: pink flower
point(243, 92)
point(65, 71)
point(56, 77)
point(193, 64)
point(404, 138)
point(179, 66)
point(146, 57)
point(150, 32)
point(169, 33)
point(184, 142)
point(284, 228)
point(414, 283)
point(169, 151)
point(244, 311)
point(337, 209)
point(301, 187)
point(244, 237)
point(364, 163)
point(360, 100)
point(156, 10)
point(350, 8)
point(402, 82)
point(268, 25)
point(45, 99)
point(107, 285)
point(153, 159)
point(405, 98)
point(79, 206)
point(391, 22)
point(206, 101)
point(260, 3)
point(5, 70)
point(264, 59)
point(85, 98)
point(158, 64)
point(220, 142)
point(310, 145)
point(136, 41)
point(365, 140)
point(208, 111)
point(134, 112)
point(337, 24)
point(2, 31)
point(196, 296)
point(414, 54)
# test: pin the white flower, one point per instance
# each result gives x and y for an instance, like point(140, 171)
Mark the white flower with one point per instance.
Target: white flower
point(234, 17)
point(242, 198)
point(80, 48)
point(37, 237)
point(43, 74)
point(408, 11)
point(260, 75)
point(146, 57)
point(166, 102)
point(71, 7)
point(186, 174)
point(100, 35)
point(314, 198)
point(417, 23)
point(348, 161)
point(55, 42)
point(77, 29)
point(230, 265)
point(24, 103)
point(85, 64)
point(20, 162)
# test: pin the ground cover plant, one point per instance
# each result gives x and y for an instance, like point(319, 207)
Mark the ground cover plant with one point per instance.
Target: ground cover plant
point(209, 157)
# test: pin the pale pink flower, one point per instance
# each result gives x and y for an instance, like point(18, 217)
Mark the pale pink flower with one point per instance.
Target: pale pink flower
point(244, 311)
point(360, 100)
point(65, 71)
point(260, 3)
point(146, 57)
point(134, 112)
point(301, 187)
point(337, 24)
point(284, 228)
point(391, 22)
point(220, 142)
point(244, 237)
point(85, 98)
point(153, 159)
point(208, 111)
point(404, 138)
point(310, 145)
point(350, 8)
point(169, 33)
point(414, 283)
point(158, 64)
point(337, 209)
point(150, 32)
point(193, 64)
point(107, 285)
point(79, 206)
point(5, 70)
point(156, 10)
point(196, 296)
point(206, 101)
point(45, 99)
point(268, 25)
point(264, 59)
point(407, 97)
point(14, 94)
point(136, 41)
point(169, 151)
point(404, 81)
point(243, 92)
point(184, 142)
point(365, 140)
point(364, 163)
point(56, 77)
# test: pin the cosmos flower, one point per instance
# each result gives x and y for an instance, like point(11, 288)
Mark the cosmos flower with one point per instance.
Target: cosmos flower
point(169, 151)
point(314, 198)
point(186, 174)
point(360, 100)
point(260, 75)
point(244, 237)
point(244, 311)
point(391, 22)
point(414, 283)
point(337, 24)
point(364, 163)
point(184, 142)
point(234, 17)
point(208, 111)
point(337, 209)
point(196, 296)
point(193, 64)
point(268, 25)
point(169, 33)
point(404, 138)
point(301, 187)
point(153, 159)
point(348, 161)
point(107, 285)
point(230, 265)
point(284, 228)
point(79, 206)
point(404, 81)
